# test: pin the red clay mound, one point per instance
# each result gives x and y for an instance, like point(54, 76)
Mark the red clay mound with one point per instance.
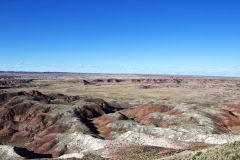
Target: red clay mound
point(142, 113)
point(233, 107)
point(102, 122)
point(226, 119)
point(34, 120)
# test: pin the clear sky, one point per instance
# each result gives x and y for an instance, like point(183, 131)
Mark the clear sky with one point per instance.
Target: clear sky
point(190, 37)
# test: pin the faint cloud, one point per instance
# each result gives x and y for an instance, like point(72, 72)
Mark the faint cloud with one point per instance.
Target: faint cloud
point(84, 66)
point(227, 70)
point(235, 65)
point(201, 70)
point(129, 68)
point(19, 64)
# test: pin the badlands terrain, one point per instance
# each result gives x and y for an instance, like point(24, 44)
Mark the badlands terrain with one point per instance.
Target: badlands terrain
point(119, 117)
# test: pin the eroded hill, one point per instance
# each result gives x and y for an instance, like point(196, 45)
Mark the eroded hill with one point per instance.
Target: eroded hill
point(116, 118)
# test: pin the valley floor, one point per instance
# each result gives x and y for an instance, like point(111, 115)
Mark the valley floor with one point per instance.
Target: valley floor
point(96, 116)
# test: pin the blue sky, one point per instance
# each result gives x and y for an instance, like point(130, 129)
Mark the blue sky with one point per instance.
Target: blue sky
point(189, 37)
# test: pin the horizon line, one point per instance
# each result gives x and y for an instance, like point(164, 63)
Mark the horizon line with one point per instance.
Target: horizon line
point(102, 73)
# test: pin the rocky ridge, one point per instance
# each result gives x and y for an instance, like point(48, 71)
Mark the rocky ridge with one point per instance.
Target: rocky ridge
point(58, 125)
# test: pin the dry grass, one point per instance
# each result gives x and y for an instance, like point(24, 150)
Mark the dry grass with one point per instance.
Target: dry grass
point(130, 93)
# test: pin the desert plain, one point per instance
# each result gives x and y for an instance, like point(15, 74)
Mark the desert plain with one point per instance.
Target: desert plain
point(118, 116)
